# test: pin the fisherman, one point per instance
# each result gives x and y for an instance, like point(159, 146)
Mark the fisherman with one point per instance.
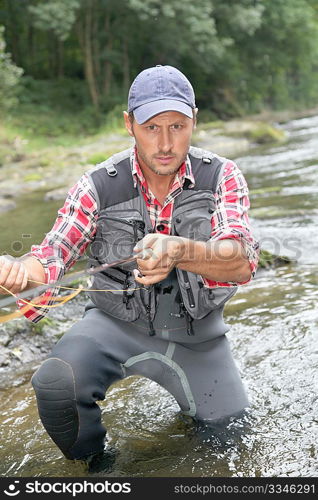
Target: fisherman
point(182, 213)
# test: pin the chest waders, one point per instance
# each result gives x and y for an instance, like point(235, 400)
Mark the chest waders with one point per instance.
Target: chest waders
point(172, 332)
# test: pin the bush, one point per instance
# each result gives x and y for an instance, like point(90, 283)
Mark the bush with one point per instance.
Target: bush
point(65, 94)
point(9, 77)
point(266, 134)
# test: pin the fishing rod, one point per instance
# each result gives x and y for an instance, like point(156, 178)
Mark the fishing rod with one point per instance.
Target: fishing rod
point(69, 279)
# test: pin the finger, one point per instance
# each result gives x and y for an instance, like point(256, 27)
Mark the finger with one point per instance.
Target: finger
point(152, 272)
point(150, 280)
point(5, 269)
point(147, 280)
point(137, 274)
point(20, 281)
point(25, 279)
point(12, 281)
point(160, 264)
point(146, 242)
point(146, 254)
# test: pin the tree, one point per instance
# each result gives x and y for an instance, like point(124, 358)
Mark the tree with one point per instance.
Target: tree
point(9, 76)
point(241, 55)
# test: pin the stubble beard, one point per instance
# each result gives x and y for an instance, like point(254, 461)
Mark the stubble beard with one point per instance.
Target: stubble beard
point(155, 170)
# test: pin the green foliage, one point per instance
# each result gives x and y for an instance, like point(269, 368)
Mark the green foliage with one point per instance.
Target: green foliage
point(114, 118)
point(38, 328)
point(9, 76)
point(196, 30)
point(54, 109)
point(96, 158)
point(269, 260)
point(43, 121)
point(34, 176)
point(57, 16)
point(266, 134)
point(241, 56)
point(64, 94)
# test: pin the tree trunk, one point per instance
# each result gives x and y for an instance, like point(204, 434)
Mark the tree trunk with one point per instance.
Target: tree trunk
point(126, 66)
point(60, 59)
point(52, 59)
point(84, 31)
point(95, 41)
point(12, 37)
point(108, 63)
point(31, 50)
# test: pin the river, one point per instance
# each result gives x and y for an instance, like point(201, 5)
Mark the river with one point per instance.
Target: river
point(274, 335)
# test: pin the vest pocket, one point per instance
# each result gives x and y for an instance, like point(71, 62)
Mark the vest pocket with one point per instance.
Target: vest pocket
point(117, 233)
point(206, 299)
point(119, 299)
point(192, 216)
point(213, 298)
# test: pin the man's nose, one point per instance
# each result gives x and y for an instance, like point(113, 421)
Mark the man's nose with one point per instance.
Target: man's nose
point(165, 141)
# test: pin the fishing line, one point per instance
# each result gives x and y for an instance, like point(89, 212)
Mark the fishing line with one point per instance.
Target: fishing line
point(63, 300)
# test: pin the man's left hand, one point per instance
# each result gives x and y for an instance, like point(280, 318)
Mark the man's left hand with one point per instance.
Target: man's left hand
point(159, 254)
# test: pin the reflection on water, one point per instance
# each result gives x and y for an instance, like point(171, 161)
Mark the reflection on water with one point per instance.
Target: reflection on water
point(274, 338)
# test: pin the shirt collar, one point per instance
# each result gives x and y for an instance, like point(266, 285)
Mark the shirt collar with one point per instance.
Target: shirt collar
point(184, 172)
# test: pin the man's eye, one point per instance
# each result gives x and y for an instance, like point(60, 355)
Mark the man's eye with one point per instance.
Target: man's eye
point(176, 126)
point(152, 127)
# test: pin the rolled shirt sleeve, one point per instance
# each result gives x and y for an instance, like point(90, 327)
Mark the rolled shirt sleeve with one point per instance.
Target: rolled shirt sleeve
point(72, 232)
point(230, 219)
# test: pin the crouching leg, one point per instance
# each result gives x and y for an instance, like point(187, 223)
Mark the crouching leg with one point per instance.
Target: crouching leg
point(67, 386)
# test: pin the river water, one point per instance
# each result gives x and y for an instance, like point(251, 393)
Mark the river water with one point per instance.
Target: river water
point(274, 336)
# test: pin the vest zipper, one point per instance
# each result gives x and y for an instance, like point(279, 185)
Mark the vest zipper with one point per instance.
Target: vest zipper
point(135, 223)
point(125, 284)
point(114, 278)
point(188, 289)
point(186, 202)
point(152, 331)
point(189, 320)
point(125, 294)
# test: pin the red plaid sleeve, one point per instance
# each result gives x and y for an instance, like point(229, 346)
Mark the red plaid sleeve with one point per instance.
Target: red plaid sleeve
point(230, 219)
point(73, 230)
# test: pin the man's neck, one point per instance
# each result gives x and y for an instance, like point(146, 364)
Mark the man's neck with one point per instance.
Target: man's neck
point(160, 186)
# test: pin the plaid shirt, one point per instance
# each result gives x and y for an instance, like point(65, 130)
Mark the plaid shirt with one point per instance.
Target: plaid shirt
point(76, 223)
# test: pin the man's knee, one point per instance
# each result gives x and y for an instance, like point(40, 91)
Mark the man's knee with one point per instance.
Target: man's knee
point(54, 386)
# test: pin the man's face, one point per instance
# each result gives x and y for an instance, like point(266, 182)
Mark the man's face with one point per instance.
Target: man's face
point(162, 142)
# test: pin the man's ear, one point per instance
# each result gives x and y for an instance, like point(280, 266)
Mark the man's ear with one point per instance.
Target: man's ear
point(128, 124)
point(195, 114)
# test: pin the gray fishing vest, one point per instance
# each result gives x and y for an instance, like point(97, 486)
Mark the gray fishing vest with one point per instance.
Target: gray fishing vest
point(124, 220)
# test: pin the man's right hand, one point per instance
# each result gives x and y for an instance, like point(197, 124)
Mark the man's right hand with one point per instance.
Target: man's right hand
point(13, 275)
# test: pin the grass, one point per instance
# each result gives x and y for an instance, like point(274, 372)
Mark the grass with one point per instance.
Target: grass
point(265, 133)
point(268, 259)
point(46, 137)
point(38, 328)
point(32, 177)
point(32, 128)
point(217, 124)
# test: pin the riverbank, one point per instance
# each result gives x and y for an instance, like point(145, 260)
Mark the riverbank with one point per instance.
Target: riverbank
point(54, 168)
point(24, 344)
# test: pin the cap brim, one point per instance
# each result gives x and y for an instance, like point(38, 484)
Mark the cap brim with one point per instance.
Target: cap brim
point(147, 111)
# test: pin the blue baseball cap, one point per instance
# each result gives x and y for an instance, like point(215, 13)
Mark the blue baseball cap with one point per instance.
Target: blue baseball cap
point(159, 89)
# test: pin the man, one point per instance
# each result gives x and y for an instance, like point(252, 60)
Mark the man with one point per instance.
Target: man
point(183, 213)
